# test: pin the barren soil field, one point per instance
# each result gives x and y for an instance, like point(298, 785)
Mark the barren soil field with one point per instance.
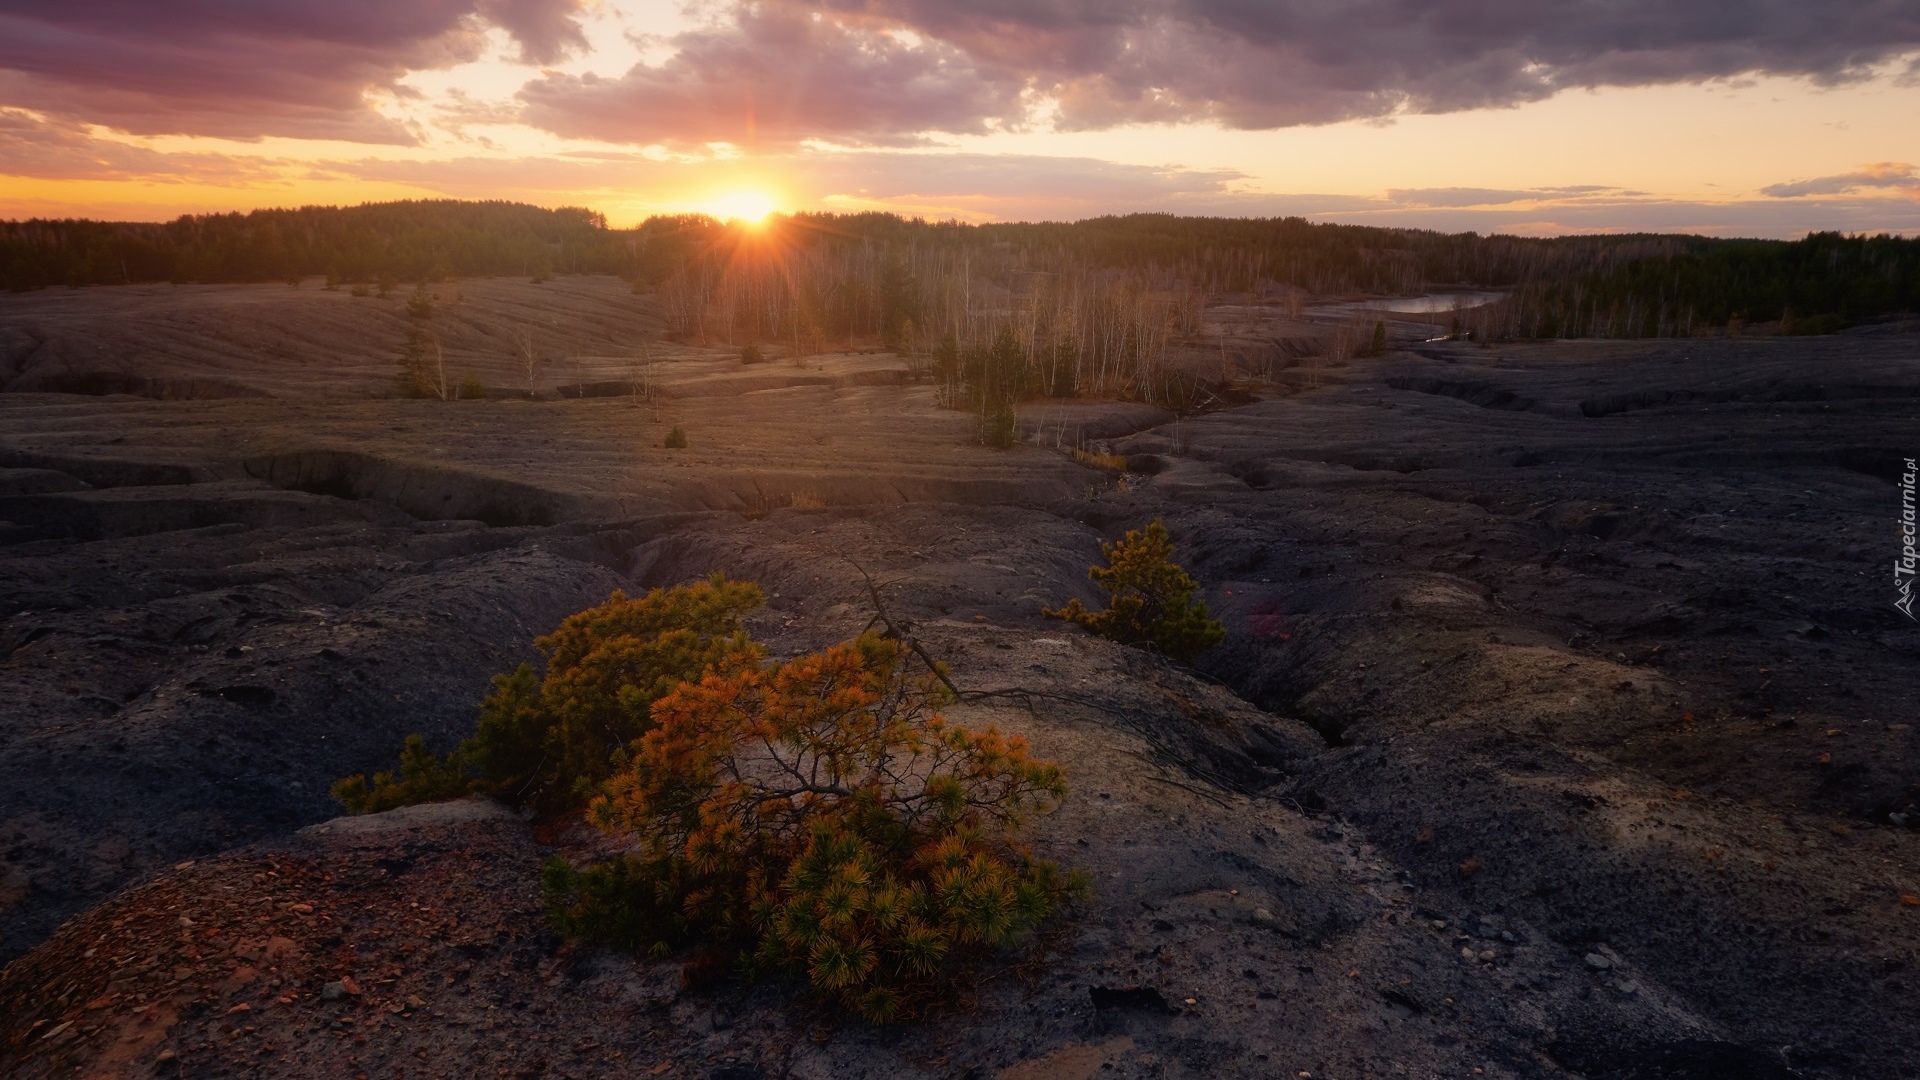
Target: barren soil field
point(1564, 726)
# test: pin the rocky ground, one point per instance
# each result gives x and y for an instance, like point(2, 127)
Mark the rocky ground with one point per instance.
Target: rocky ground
point(1564, 726)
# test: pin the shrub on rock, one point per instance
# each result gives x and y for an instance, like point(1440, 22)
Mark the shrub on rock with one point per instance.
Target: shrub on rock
point(821, 819)
point(1150, 600)
point(549, 741)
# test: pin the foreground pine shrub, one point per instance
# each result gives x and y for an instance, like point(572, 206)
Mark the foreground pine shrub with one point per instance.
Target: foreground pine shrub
point(820, 819)
point(549, 741)
point(1150, 600)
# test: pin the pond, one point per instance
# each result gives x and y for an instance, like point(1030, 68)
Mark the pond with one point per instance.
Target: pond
point(1413, 305)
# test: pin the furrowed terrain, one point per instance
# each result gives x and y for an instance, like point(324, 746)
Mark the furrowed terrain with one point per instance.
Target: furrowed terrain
point(1564, 726)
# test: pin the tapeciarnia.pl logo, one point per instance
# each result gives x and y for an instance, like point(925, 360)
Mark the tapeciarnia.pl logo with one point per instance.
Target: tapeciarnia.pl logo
point(1903, 567)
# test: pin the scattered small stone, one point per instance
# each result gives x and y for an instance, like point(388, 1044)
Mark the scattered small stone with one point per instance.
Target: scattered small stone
point(1438, 924)
point(1486, 956)
point(1470, 867)
point(57, 1032)
point(1597, 962)
point(333, 991)
point(1627, 987)
point(416, 1001)
point(165, 1057)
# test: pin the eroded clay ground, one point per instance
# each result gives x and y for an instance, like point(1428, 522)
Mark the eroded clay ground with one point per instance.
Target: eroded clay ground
point(1564, 726)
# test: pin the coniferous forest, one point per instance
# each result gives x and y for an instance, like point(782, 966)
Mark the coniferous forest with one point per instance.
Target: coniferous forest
point(1113, 282)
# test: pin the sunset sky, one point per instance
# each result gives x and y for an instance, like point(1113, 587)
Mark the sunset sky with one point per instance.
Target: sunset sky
point(1737, 117)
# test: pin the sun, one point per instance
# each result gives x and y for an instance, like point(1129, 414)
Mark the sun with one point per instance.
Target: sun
point(748, 207)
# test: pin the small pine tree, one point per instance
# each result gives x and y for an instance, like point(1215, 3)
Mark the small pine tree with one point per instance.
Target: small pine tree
point(820, 818)
point(415, 377)
point(1378, 346)
point(420, 304)
point(999, 426)
point(549, 741)
point(386, 284)
point(777, 820)
point(423, 777)
point(751, 354)
point(675, 440)
point(1150, 600)
point(899, 339)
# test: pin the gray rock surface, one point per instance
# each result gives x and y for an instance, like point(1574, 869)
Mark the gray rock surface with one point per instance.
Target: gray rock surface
point(1535, 655)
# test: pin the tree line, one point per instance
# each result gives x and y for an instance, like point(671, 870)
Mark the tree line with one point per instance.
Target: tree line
point(1001, 313)
point(408, 241)
point(1819, 284)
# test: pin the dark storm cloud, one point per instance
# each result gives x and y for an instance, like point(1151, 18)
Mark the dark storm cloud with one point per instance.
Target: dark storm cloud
point(772, 76)
point(1239, 63)
point(1889, 174)
point(248, 68)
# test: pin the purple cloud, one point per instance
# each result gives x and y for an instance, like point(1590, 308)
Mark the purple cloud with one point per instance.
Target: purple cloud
point(250, 68)
point(55, 150)
point(886, 71)
point(775, 76)
point(1897, 175)
point(1270, 63)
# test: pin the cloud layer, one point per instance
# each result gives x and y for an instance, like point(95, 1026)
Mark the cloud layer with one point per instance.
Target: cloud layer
point(250, 68)
point(773, 73)
point(885, 71)
point(1895, 175)
point(772, 76)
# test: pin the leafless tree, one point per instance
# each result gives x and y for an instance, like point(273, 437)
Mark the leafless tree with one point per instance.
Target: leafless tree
point(529, 358)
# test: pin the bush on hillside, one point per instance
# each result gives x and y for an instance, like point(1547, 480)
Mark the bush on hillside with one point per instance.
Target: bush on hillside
point(821, 819)
point(549, 741)
point(1150, 600)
